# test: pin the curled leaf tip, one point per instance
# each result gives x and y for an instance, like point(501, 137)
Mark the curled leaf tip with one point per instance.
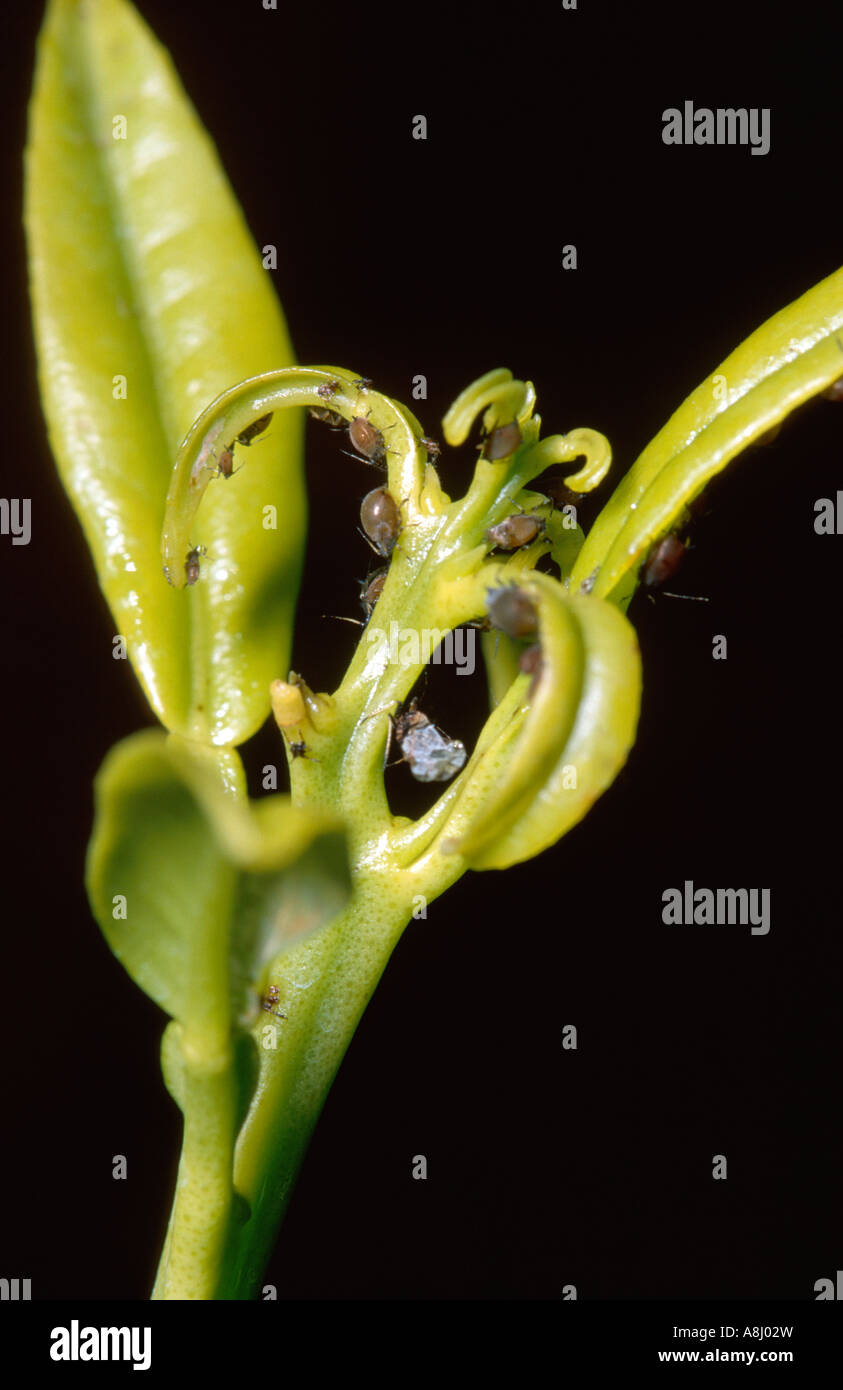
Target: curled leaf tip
point(506, 403)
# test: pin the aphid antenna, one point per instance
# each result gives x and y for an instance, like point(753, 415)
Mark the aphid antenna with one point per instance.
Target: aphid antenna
point(338, 618)
point(384, 709)
point(390, 736)
point(692, 598)
point(373, 463)
point(388, 712)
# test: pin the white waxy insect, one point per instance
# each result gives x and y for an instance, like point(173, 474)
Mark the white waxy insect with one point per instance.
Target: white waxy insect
point(431, 755)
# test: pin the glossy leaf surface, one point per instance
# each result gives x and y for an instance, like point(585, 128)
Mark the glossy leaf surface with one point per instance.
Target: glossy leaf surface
point(149, 299)
point(790, 358)
point(195, 888)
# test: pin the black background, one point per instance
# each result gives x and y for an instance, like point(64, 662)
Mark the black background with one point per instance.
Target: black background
point(397, 257)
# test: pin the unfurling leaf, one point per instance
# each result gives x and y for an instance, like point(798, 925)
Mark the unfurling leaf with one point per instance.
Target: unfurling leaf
point(195, 888)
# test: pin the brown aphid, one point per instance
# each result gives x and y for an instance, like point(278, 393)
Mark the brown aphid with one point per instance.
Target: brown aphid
point(371, 590)
point(257, 427)
point(270, 1000)
point(530, 659)
point(517, 530)
point(532, 663)
point(662, 562)
point(512, 611)
point(560, 494)
point(768, 436)
point(381, 520)
point(225, 463)
point(366, 439)
point(834, 391)
point(191, 564)
point(502, 442)
point(327, 389)
point(328, 417)
point(433, 449)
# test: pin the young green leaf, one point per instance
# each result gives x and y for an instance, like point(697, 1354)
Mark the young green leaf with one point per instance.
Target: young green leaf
point(790, 358)
point(552, 745)
point(196, 889)
point(149, 299)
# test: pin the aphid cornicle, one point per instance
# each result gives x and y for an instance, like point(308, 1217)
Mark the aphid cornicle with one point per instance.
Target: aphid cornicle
point(502, 441)
point(191, 564)
point(662, 562)
point(366, 439)
point(429, 753)
point(257, 427)
point(516, 531)
point(512, 611)
point(381, 520)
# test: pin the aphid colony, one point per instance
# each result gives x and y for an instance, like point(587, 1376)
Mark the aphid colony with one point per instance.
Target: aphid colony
point(224, 469)
point(431, 755)
point(225, 462)
point(511, 610)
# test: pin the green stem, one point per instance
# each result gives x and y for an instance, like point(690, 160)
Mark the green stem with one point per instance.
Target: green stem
point(202, 1202)
point(198, 1067)
point(325, 986)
